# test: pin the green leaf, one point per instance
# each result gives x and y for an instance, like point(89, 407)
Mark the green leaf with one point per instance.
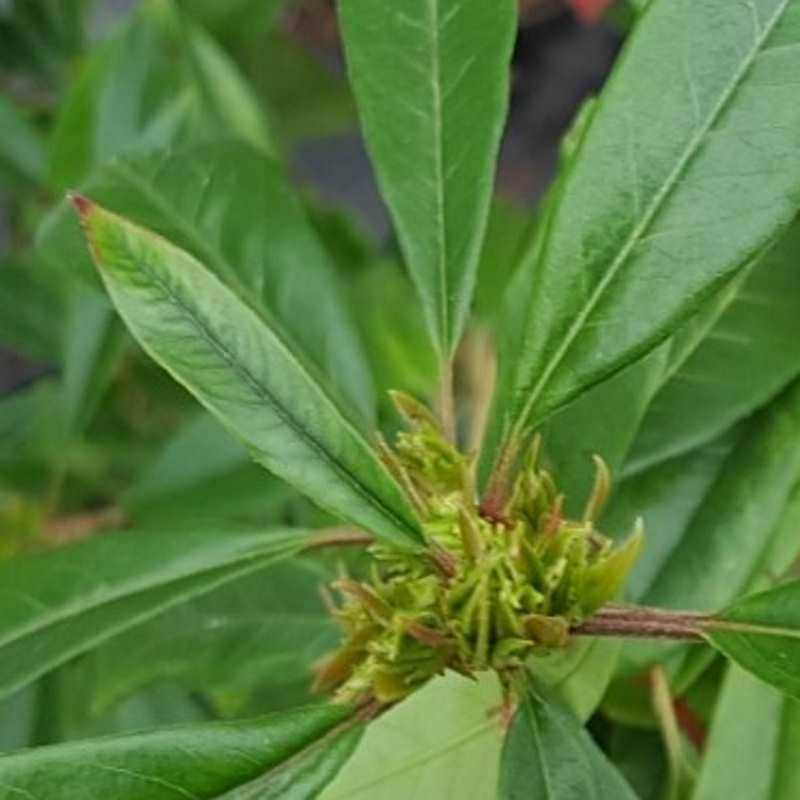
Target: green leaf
point(548, 755)
point(579, 674)
point(203, 473)
point(227, 101)
point(393, 332)
point(41, 38)
point(235, 17)
point(22, 153)
point(29, 429)
point(784, 545)
point(655, 221)
point(762, 634)
point(309, 100)
point(250, 230)
point(639, 756)
point(688, 390)
point(753, 744)
point(431, 81)
point(602, 421)
point(707, 394)
point(59, 604)
point(32, 309)
point(455, 753)
point(667, 497)
point(608, 418)
point(16, 719)
point(243, 370)
point(93, 345)
point(713, 517)
point(724, 542)
point(508, 236)
point(249, 645)
point(288, 755)
point(61, 714)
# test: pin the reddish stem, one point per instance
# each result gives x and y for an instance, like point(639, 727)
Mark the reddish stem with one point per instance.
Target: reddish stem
point(644, 623)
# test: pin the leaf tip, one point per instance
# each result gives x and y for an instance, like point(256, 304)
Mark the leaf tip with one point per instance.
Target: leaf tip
point(86, 210)
point(82, 204)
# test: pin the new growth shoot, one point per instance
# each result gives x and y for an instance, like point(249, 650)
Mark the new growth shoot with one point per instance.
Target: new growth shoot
point(484, 593)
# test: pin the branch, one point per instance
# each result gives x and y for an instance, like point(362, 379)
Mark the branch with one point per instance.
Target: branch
point(641, 622)
point(340, 537)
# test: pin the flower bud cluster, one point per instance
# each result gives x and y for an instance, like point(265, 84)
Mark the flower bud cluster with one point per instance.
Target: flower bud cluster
point(484, 593)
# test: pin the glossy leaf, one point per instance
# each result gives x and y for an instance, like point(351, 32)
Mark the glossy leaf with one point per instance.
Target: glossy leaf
point(431, 79)
point(455, 753)
point(708, 394)
point(243, 370)
point(762, 634)
point(249, 229)
point(753, 744)
point(687, 391)
point(59, 604)
point(612, 417)
point(288, 755)
point(653, 221)
point(547, 754)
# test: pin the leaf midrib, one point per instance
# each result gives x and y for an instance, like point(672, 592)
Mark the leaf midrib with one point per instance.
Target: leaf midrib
point(264, 394)
point(438, 167)
point(751, 629)
point(673, 180)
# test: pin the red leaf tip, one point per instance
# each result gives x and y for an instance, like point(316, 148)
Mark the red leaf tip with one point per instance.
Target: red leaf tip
point(83, 205)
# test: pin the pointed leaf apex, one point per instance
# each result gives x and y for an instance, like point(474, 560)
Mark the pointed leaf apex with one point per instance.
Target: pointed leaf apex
point(83, 205)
